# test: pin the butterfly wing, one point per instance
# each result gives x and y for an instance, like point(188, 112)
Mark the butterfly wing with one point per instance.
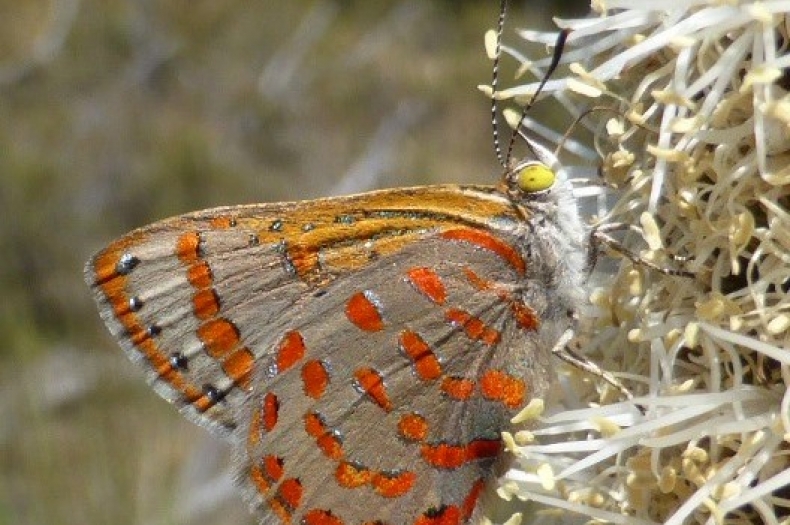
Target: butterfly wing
point(406, 376)
point(360, 349)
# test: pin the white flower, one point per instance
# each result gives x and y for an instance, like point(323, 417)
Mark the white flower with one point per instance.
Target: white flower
point(696, 139)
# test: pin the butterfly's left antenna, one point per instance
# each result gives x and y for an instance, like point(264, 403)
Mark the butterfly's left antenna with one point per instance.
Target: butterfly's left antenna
point(495, 80)
point(504, 159)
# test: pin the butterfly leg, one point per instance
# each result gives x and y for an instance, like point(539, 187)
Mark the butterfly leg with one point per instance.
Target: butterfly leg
point(562, 350)
point(600, 236)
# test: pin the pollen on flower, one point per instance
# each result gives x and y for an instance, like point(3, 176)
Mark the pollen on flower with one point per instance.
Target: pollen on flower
point(524, 437)
point(546, 475)
point(506, 491)
point(606, 426)
point(688, 107)
point(650, 231)
point(515, 519)
point(667, 479)
point(533, 410)
point(509, 442)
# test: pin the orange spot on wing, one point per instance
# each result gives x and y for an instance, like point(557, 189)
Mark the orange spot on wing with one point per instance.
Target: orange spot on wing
point(105, 269)
point(444, 455)
point(525, 316)
point(305, 261)
point(321, 517)
point(499, 386)
point(471, 499)
point(279, 509)
point(459, 318)
point(238, 366)
point(254, 433)
point(363, 313)
point(327, 442)
point(271, 410)
point(446, 515)
point(393, 485)
point(389, 485)
point(425, 363)
point(352, 476)
point(477, 281)
point(483, 448)
point(413, 427)
point(188, 247)
point(205, 304)
point(273, 467)
point(199, 275)
point(291, 350)
point(427, 282)
point(259, 479)
point(315, 379)
point(490, 243)
point(447, 456)
point(222, 222)
point(475, 329)
point(490, 337)
point(313, 425)
point(458, 387)
point(330, 445)
point(202, 403)
point(371, 382)
point(290, 492)
point(220, 337)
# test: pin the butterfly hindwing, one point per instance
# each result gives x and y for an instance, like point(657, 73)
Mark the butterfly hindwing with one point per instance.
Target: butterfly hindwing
point(413, 396)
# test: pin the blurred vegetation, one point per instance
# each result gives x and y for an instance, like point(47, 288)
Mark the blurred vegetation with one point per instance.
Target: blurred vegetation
point(118, 113)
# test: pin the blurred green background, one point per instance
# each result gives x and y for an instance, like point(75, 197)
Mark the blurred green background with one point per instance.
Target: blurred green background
point(118, 113)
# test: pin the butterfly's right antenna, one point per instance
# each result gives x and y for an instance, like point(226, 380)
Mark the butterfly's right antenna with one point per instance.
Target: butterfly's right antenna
point(559, 46)
point(504, 159)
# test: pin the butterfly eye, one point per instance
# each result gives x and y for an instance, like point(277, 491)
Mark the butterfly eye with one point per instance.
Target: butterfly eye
point(535, 177)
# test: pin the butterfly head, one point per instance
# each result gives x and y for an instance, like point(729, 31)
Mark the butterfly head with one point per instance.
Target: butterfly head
point(538, 180)
point(540, 188)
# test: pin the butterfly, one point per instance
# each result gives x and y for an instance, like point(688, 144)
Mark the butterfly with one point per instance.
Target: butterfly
point(361, 353)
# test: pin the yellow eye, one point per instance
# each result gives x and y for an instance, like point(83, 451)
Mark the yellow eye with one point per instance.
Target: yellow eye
point(535, 177)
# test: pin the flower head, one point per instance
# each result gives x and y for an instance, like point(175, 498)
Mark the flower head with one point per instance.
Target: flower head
point(688, 105)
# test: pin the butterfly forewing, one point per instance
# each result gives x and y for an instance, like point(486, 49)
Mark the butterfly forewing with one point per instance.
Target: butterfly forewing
point(363, 352)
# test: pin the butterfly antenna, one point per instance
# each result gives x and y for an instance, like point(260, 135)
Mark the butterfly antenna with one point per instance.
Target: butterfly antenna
point(494, 82)
point(559, 46)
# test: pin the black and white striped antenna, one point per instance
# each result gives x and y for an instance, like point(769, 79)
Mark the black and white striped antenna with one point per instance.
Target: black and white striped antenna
point(504, 158)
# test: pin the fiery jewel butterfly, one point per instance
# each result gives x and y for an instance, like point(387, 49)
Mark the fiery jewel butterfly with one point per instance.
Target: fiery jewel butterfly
point(362, 353)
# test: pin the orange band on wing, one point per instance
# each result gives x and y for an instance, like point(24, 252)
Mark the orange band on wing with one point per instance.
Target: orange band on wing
point(113, 285)
point(490, 243)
